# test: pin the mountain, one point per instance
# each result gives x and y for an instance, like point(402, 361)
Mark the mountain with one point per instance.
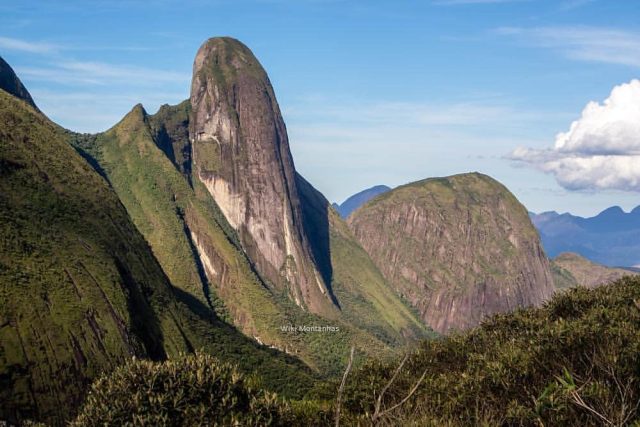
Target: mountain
point(571, 270)
point(147, 160)
point(354, 202)
point(241, 154)
point(202, 254)
point(610, 238)
point(458, 248)
point(81, 290)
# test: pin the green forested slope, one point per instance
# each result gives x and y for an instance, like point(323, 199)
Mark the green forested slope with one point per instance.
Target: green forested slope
point(80, 289)
point(573, 362)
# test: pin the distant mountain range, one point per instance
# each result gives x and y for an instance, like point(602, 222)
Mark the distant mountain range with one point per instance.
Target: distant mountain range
point(354, 202)
point(611, 238)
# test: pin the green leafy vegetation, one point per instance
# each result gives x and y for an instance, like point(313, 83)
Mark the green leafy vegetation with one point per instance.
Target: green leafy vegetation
point(80, 289)
point(195, 390)
point(574, 361)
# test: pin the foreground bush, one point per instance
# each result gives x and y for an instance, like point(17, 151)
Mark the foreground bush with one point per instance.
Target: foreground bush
point(190, 391)
point(574, 362)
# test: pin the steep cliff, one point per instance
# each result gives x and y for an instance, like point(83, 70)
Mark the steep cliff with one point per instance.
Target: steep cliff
point(366, 300)
point(458, 248)
point(241, 154)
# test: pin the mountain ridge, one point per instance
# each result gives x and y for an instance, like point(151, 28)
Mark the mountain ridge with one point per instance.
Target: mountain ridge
point(10, 83)
point(609, 238)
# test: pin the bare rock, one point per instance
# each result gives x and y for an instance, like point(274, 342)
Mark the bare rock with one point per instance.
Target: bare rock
point(241, 154)
point(458, 249)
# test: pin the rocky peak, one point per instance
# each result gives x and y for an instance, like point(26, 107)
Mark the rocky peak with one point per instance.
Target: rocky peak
point(10, 83)
point(458, 249)
point(241, 154)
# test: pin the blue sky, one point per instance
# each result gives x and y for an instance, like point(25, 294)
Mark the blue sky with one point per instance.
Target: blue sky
point(372, 92)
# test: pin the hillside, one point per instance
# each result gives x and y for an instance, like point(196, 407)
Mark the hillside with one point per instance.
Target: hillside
point(571, 362)
point(570, 270)
point(459, 249)
point(81, 290)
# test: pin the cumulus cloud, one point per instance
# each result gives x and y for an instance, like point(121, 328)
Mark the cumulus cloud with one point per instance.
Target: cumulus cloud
point(601, 150)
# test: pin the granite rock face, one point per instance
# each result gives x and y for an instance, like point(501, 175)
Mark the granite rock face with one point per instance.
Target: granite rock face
point(241, 154)
point(458, 249)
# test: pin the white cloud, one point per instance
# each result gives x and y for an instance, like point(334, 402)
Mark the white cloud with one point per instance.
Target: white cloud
point(601, 150)
point(414, 114)
point(584, 43)
point(100, 108)
point(343, 144)
point(98, 73)
point(8, 43)
point(459, 2)
point(574, 4)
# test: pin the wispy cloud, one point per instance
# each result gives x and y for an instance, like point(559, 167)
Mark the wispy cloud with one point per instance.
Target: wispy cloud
point(91, 95)
point(359, 143)
point(96, 108)
point(463, 2)
point(583, 43)
point(8, 43)
point(99, 73)
point(574, 4)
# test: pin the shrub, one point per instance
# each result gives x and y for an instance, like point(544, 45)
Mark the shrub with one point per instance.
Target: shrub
point(192, 390)
point(575, 361)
